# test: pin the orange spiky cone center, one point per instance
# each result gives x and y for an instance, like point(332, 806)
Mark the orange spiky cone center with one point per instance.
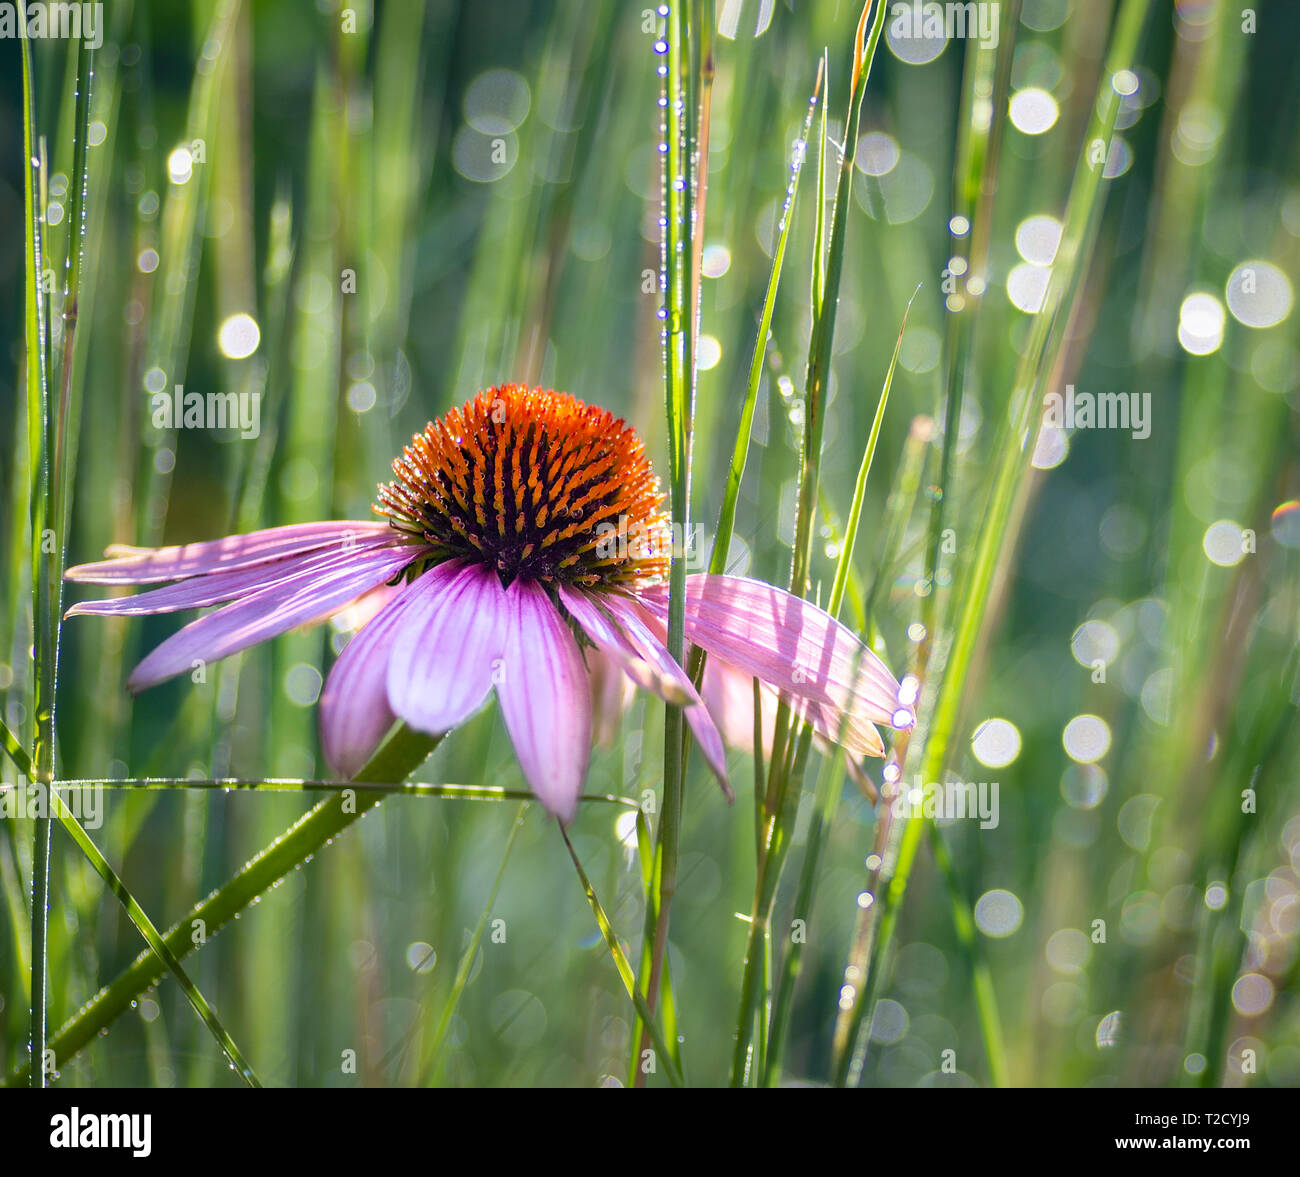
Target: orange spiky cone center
point(535, 483)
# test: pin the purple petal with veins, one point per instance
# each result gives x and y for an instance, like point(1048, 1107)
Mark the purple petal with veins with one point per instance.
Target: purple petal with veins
point(216, 588)
point(156, 565)
point(647, 638)
point(785, 641)
point(448, 646)
point(308, 596)
point(354, 711)
point(607, 636)
point(546, 699)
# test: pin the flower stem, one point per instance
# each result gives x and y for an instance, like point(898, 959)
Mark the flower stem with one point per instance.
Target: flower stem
point(44, 586)
point(405, 751)
point(785, 779)
point(682, 190)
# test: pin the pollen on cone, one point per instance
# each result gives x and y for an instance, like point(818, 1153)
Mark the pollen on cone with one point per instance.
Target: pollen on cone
point(537, 484)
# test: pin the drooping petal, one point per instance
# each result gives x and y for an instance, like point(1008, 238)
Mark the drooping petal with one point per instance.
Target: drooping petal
point(647, 637)
point(611, 695)
point(354, 711)
point(729, 695)
point(156, 565)
point(602, 630)
point(787, 642)
point(216, 588)
point(835, 726)
point(308, 596)
point(448, 648)
point(545, 699)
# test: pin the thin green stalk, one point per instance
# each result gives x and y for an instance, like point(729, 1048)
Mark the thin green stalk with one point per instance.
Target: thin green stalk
point(679, 195)
point(825, 286)
point(471, 951)
point(1082, 212)
point(404, 751)
point(446, 791)
point(44, 608)
point(648, 1019)
point(832, 782)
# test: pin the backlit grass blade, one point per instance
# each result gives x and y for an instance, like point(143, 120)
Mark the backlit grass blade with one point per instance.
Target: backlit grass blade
point(467, 957)
point(648, 1020)
point(40, 430)
point(402, 754)
point(789, 750)
point(831, 785)
point(992, 546)
point(156, 943)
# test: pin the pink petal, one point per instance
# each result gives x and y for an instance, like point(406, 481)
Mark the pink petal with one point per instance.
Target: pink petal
point(308, 596)
point(545, 699)
point(354, 711)
point(448, 649)
point(647, 638)
point(602, 630)
point(787, 642)
point(218, 587)
point(611, 695)
point(729, 694)
point(155, 565)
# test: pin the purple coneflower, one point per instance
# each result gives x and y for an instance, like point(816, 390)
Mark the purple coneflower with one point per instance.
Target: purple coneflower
point(518, 530)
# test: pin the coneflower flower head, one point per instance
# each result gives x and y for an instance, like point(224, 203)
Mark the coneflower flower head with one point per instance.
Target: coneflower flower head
point(536, 484)
point(518, 531)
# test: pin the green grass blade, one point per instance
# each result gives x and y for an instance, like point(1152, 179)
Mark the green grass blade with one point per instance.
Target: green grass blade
point(1082, 212)
point(155, 941)
point(402, 754)
point(44, 582)
point(624, 968)
point(832, 781)
point(467, 957)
